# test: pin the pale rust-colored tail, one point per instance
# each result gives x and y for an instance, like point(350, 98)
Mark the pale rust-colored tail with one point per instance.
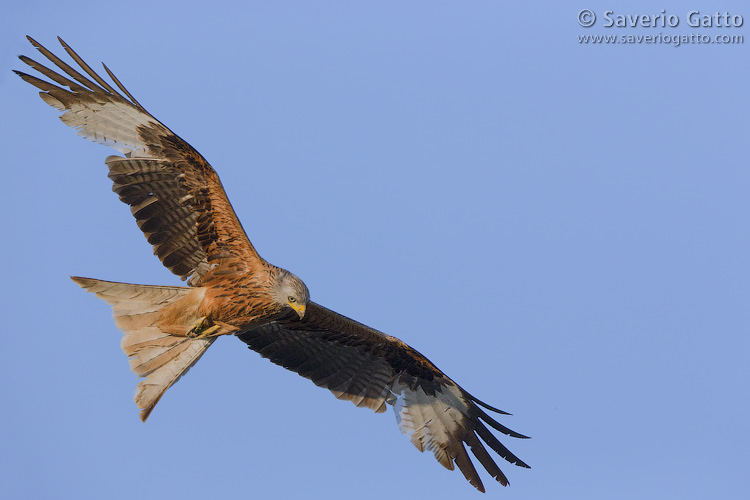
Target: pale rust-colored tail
point(161, 358)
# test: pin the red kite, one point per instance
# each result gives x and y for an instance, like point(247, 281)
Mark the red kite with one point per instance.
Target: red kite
point(181, 207)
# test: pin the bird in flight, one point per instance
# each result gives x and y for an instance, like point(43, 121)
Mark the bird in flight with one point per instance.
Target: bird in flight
point(180, 206)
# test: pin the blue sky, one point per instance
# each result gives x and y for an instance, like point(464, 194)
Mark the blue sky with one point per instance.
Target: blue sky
point(560, 227)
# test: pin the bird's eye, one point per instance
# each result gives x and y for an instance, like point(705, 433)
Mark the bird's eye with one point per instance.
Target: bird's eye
point(291, 299)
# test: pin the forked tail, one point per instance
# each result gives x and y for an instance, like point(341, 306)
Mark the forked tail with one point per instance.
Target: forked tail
point(159, 353)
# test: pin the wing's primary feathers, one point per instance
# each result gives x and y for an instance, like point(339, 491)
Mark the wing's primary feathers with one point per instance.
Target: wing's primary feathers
point(96, 110)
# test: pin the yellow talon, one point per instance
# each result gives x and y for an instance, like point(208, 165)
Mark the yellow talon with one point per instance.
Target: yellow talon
point(202, 328)
point(210, 332)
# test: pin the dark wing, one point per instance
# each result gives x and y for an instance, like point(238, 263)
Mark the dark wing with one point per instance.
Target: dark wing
point(371, 369)
point(174, 194)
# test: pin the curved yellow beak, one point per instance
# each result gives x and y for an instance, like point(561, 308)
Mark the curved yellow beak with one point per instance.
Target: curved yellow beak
point(299, 309)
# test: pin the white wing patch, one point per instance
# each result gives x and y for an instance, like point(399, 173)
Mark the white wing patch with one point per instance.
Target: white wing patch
point(432, 423)
point(104, 121)
point(93, 107)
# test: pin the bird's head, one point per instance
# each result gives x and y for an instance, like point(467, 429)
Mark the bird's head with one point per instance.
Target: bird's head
point(290, 291)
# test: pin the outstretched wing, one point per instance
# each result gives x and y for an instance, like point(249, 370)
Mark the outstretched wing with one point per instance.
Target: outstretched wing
point(371, 369)
point(174, 194)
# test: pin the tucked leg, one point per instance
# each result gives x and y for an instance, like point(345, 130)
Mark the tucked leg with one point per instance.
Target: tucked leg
point(203, 328)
